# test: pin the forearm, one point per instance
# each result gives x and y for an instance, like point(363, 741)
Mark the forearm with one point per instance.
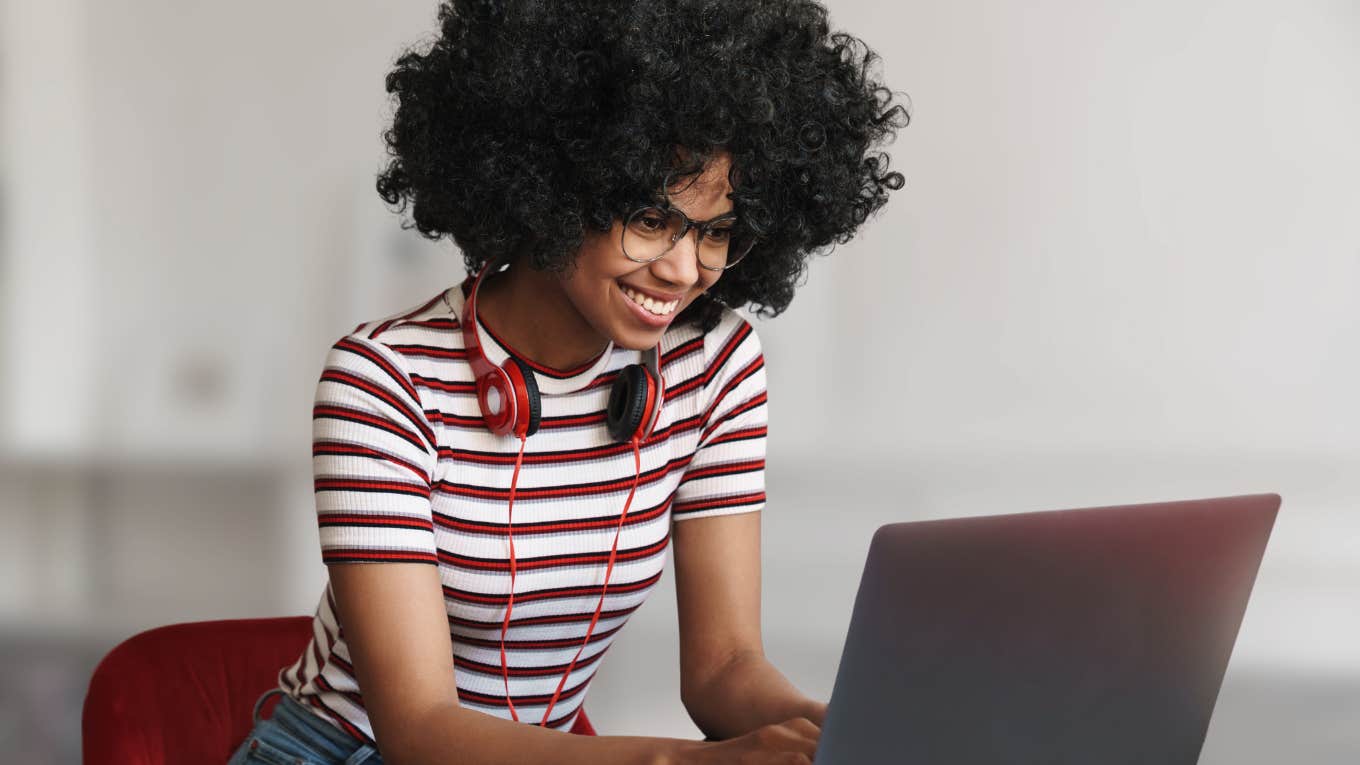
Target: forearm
point(456, 736)
point(747, 693)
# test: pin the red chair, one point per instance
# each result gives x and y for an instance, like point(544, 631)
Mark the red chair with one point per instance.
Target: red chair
point(185, 692)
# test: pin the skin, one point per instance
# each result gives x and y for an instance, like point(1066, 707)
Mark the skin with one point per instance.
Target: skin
point(394, 615)
point(565, 319)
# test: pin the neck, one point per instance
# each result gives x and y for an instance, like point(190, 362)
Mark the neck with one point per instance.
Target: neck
point(529, 310)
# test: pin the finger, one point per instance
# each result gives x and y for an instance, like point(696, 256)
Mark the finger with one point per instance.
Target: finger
point(800, 736)
point(783, 737)
point(805, 727)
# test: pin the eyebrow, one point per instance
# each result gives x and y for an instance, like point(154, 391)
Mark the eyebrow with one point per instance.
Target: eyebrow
point(664, 204)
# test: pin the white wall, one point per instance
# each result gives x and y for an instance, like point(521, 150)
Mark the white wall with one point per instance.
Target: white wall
point(47, 208)
point(1126, 226)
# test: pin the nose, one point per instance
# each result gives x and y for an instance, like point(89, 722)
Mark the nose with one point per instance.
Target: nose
point(680, 266)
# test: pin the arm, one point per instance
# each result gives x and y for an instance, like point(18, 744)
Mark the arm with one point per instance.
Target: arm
point(398, 637)
point(726, 683)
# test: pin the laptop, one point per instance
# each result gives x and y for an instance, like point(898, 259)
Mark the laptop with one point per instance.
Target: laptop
point(1066, 637)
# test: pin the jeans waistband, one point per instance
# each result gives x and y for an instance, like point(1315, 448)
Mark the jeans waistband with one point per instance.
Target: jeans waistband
point(302, 722)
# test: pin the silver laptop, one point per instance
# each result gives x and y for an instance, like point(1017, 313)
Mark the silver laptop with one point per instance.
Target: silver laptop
point(1067, 637)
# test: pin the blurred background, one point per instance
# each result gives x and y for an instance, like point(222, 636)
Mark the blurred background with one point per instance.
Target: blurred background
point(1124, 269)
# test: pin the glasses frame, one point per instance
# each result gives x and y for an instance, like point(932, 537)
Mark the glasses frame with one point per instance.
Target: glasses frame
point(702, 226)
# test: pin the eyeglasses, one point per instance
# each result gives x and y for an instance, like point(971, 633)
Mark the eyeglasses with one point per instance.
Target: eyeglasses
point(651, 232)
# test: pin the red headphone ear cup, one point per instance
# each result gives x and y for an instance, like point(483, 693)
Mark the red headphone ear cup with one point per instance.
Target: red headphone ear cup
point(628, 402)
point(496, 398)
point(526, 382)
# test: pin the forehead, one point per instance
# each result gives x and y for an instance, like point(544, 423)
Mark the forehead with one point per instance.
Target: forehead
point(704, 195)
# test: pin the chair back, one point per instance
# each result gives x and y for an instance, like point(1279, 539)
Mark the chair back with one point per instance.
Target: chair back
point(185, 692)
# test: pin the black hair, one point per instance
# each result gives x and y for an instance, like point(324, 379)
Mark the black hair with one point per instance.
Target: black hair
point(526, 121)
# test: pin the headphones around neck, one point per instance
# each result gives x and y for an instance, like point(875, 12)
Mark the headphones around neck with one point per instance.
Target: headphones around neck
point(508, 394)
point(508, 397)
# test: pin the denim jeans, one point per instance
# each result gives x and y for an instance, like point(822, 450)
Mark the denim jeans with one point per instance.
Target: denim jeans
point(292, 735)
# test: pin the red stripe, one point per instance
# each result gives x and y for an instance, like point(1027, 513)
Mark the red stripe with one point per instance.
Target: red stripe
point(475, 421)
point(564, 456)
point(439, 322)
point(428, 305)
point(728, 468)
point(539, 458)
point(552, 593)
point(738, 435)
point(380, 329)
point(367, 519)
point(444, 386)
point(538, 698)
point(535, 644)
point(550, 527)
point(741, 376)
point(551, 561)
point(682, 350)
point(417, 417)
point(708, 504)
point(758, 400)
point(354, 415)
point(400, 320)
point(338, 449)
point(495, 624)
point(348, 669)
point(646, 478)
point(344, 724)
point(388, 487)
point(714, 367)
point(371, 486)
point(344, 554)
point(551, 670)
point(418, 350)
point(398, 376)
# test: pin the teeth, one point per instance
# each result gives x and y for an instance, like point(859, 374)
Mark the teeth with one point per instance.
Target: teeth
point(652, 306)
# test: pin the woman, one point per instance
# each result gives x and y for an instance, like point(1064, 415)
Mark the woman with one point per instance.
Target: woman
point(501, 470)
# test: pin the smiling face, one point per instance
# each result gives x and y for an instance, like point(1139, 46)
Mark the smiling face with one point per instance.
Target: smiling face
point(605, 286)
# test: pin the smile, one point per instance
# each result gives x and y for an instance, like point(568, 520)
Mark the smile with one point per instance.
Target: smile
point(654, 307)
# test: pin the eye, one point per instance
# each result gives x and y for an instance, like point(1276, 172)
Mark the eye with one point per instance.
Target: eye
point(721, 233)
point(648, 221)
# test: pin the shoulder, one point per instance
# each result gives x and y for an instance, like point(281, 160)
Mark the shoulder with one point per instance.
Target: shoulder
point(726, 354)
point(733, 341)
point(431, 314)
point(384, 353)
point(430, 323)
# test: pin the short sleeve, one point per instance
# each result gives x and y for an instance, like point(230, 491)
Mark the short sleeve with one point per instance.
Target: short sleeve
point(373, 457)
point(727, 473)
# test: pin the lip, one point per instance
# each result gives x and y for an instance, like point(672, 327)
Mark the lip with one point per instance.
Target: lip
point(643, 315)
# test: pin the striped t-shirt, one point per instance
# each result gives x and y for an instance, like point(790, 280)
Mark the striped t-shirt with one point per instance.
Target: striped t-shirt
point(405, 470)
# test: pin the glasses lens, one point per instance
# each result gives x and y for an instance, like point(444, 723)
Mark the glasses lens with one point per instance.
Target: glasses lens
point(724, 245)
point(649, 233)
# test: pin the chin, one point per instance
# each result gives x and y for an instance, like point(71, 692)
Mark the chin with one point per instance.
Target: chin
point(639, 341)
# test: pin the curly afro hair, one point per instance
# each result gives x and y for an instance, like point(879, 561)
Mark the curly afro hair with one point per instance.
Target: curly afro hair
point(527, 120)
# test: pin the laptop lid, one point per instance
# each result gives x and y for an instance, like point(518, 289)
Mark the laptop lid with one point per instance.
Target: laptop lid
point(1094, 635)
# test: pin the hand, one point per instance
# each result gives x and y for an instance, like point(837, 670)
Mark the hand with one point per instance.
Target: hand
point(792, 742)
